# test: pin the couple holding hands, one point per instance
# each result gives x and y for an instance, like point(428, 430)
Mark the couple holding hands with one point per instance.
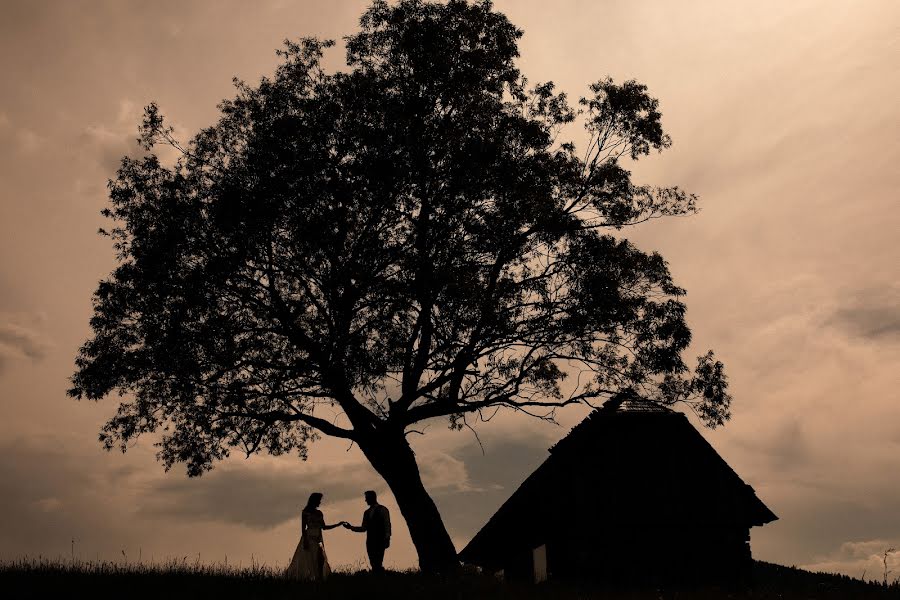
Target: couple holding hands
point(309, 560)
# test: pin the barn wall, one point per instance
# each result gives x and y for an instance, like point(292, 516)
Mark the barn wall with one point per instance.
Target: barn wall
point(649, 555)
point(517, 566)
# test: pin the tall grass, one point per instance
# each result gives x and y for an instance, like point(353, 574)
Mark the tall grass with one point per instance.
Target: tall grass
point(41, 577)
point(187, 565)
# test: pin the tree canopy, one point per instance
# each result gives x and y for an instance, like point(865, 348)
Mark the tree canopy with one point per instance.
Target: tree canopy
point(407, 240)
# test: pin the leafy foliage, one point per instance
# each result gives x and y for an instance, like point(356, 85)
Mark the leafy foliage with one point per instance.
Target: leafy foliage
point(404, 241)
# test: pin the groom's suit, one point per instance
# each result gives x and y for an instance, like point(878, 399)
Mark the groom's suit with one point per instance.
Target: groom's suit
point(376, 523)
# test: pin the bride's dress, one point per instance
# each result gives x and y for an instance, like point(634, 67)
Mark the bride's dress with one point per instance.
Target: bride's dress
point(309, 561)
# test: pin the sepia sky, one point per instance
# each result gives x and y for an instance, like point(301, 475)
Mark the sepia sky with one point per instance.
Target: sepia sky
point(785, 122)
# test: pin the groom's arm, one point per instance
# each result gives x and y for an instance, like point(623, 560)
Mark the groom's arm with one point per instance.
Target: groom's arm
point(359, 529)
point(387, 526)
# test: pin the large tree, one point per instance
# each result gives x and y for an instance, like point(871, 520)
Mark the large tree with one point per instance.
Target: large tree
point(403, 241)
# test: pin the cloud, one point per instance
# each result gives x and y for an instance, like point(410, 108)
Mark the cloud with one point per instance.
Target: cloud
point(263, 494)
point(260, 495)
point(864, 558)
point(816, 515)
point(51, 494)
point(442, 474)
point(49, 504)
point(108, 142)
point(108, 145)
point(20, 340)
point(28, 141)
point(492, 478)
point(786, 446)
point(873, 314)
point(61, 487)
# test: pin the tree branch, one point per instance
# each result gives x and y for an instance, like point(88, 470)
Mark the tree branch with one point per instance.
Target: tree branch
point(272, 417)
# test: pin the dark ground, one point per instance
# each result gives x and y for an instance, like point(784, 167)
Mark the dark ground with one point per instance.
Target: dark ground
point(53, 579)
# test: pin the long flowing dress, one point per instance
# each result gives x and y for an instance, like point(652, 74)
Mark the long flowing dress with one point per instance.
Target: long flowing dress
point(309, 562)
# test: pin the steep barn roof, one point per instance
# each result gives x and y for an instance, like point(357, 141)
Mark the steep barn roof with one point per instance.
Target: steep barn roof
point(636, 465)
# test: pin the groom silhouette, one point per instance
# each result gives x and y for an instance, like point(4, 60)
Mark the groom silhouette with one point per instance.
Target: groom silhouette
point(376, 522)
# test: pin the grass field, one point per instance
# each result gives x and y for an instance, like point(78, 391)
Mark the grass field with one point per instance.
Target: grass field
point(67, 580)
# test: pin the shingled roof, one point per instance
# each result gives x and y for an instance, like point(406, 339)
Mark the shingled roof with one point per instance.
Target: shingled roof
point(635, 464)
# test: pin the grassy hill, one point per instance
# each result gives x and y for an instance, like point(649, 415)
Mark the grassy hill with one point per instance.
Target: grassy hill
point(45, 579)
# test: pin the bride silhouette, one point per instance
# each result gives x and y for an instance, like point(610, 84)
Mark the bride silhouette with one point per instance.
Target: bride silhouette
point(309, 561)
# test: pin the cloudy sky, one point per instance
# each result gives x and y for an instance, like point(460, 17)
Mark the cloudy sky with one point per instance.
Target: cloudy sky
point(785, 122)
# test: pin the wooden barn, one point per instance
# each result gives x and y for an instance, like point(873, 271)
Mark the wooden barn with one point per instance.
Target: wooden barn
point(633, 495)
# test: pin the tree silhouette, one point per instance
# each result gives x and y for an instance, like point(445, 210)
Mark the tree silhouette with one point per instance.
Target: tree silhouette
point(406, 240)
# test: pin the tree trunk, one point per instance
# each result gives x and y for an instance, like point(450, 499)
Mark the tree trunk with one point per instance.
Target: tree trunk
point(392, 457)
